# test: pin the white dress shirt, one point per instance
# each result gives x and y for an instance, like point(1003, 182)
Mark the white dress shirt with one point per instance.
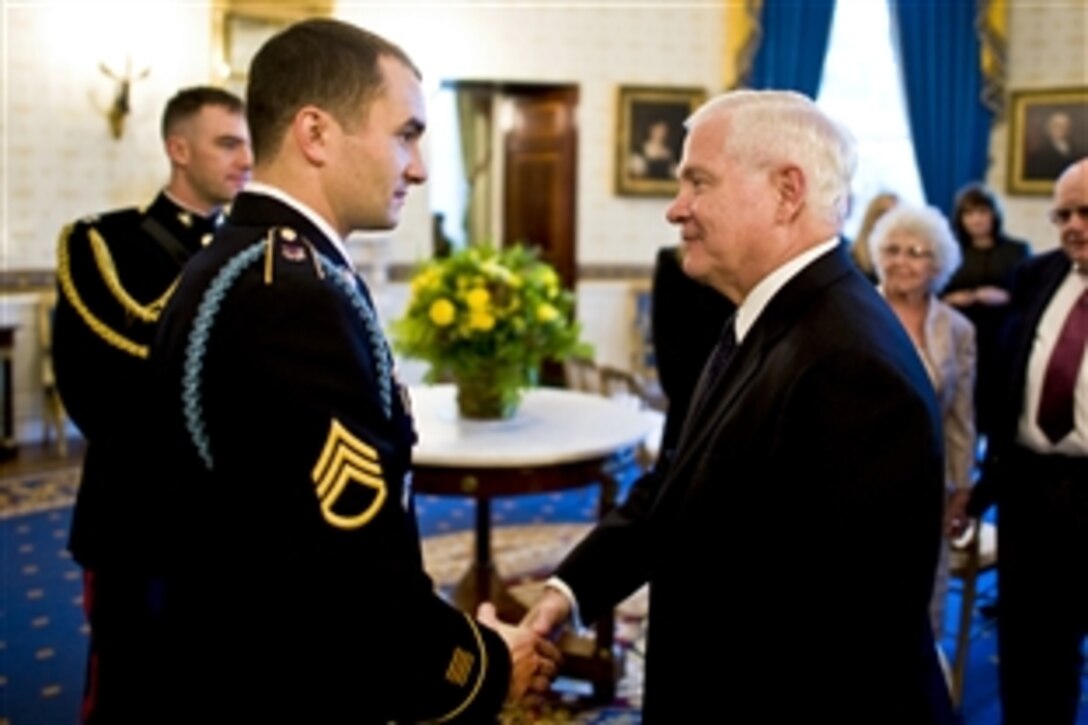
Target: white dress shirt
point(1046, 336)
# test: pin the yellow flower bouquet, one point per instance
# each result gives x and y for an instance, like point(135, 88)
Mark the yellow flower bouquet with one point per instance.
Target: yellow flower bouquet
point(488, 318)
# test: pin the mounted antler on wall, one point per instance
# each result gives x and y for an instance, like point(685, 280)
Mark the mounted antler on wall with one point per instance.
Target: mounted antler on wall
point(120, 106)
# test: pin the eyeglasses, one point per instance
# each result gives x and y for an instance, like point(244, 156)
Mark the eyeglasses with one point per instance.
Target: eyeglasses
point(1063, 214)
point(914, 251)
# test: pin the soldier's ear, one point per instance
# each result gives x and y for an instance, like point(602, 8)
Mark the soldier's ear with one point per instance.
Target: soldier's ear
point(177, 149)
point(311, 129)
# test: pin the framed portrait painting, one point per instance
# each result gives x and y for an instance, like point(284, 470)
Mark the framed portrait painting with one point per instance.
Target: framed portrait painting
point(240, 28)
point(1048, 130)
point(650, 137)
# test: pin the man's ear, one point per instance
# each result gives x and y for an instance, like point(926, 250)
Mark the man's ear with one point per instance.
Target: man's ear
point(177, 150)
point(311, 130)
point(789, 183)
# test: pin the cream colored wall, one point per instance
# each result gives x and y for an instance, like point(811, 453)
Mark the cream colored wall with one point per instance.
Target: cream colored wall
point(583, 42)
point(58, 161)
point(1048, 48)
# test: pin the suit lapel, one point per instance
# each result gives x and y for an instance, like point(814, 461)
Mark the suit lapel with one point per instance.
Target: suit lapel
point(1050, 278)
point(774, 322)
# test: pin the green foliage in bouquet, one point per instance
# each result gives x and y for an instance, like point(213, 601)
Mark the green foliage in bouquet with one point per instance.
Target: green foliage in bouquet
point(488, 314)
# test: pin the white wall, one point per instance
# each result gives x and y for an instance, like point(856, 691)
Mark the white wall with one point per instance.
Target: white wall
point(58, 162)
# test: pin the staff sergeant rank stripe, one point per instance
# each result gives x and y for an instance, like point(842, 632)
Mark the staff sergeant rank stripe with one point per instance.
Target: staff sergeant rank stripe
point(460, 667)
point(347, 460)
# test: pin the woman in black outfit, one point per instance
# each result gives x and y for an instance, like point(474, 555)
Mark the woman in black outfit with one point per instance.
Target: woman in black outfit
point(980, 287)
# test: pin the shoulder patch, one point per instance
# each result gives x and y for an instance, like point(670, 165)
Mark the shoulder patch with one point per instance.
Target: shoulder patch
point(292, 247)
point(349, 479)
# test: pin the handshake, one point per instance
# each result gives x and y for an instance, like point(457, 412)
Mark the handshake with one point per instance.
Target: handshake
point(534, 658)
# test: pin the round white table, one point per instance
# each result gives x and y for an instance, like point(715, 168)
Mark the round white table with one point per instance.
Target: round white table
point(552, 426)
point(558, 440)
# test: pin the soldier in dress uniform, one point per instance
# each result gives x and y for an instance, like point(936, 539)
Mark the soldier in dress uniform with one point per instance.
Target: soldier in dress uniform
point(297, 591)
point(115, 272)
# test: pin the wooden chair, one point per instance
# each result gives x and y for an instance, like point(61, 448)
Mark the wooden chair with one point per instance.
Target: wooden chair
point(54, 419)
point(581, 374)
point(973, 554)
point(622, 384)
point(625, 386)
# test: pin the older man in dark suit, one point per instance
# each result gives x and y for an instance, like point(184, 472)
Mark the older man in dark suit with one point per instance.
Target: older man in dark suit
point(1038, 469)
point(809, 469)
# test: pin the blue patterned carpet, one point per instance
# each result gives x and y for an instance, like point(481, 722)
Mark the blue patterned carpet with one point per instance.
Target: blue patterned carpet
point(43, 635)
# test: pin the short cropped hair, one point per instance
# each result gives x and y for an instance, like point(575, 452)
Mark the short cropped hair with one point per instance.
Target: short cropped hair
point(188, 102)
point(974, 196)
point(322, 62)
point(927, 224)
point(767, 128)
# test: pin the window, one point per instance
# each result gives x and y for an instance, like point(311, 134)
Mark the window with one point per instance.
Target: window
point(862, 88)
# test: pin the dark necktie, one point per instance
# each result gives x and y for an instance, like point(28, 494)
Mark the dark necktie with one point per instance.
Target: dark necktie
point(716, 363)
point(1055, 416)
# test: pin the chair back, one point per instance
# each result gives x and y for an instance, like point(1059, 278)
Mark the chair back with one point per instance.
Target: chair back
point(581, 374)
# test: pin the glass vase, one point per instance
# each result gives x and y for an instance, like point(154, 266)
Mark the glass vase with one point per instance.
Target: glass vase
point(486, 394)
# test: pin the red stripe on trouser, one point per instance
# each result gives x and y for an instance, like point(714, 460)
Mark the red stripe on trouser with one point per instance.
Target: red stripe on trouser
point(90, 688)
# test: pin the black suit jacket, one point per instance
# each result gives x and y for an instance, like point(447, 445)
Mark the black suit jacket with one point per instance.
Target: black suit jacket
point(295, 589)
point(791, 542)
point(1034, 283)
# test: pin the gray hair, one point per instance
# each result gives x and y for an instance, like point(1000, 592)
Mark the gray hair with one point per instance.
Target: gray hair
point(767, 128)
point(929, 225)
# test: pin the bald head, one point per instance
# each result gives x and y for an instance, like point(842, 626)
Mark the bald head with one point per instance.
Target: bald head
point(1070, 212)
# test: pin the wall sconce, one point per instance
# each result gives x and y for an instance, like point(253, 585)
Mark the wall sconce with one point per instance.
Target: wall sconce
point(117, 111)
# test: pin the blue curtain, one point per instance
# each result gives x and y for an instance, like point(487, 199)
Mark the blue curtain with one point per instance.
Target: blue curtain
point(792, 46)
point(939, 54)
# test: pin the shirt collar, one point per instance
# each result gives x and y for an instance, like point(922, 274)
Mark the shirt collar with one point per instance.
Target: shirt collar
point(212, 216)
point(257, 187)
point(752, 306)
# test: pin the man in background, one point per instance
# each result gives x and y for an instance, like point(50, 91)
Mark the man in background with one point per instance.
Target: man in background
point(1037, 468)
point(790, 541)
point(115, 272)
point(296, 591)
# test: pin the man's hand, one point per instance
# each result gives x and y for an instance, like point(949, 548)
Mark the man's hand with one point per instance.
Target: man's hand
point(550, 611)
point(534, 659)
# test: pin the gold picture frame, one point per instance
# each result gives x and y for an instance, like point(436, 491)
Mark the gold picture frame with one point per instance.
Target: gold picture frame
point(650, 137)
point(240, 27)
point(1048, 130)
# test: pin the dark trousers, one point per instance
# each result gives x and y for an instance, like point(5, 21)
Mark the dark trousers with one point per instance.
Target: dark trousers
point(1043, 582)
point(124, 670)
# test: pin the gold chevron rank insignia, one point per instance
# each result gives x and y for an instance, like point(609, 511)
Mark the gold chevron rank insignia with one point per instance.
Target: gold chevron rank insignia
point(460, 667)
point(349, 481)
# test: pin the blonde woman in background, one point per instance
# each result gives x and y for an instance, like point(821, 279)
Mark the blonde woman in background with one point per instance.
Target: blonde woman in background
point(859, 252)
point(915, 255)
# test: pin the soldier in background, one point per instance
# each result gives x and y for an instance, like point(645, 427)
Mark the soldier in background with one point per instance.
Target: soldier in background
point(114, 274)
